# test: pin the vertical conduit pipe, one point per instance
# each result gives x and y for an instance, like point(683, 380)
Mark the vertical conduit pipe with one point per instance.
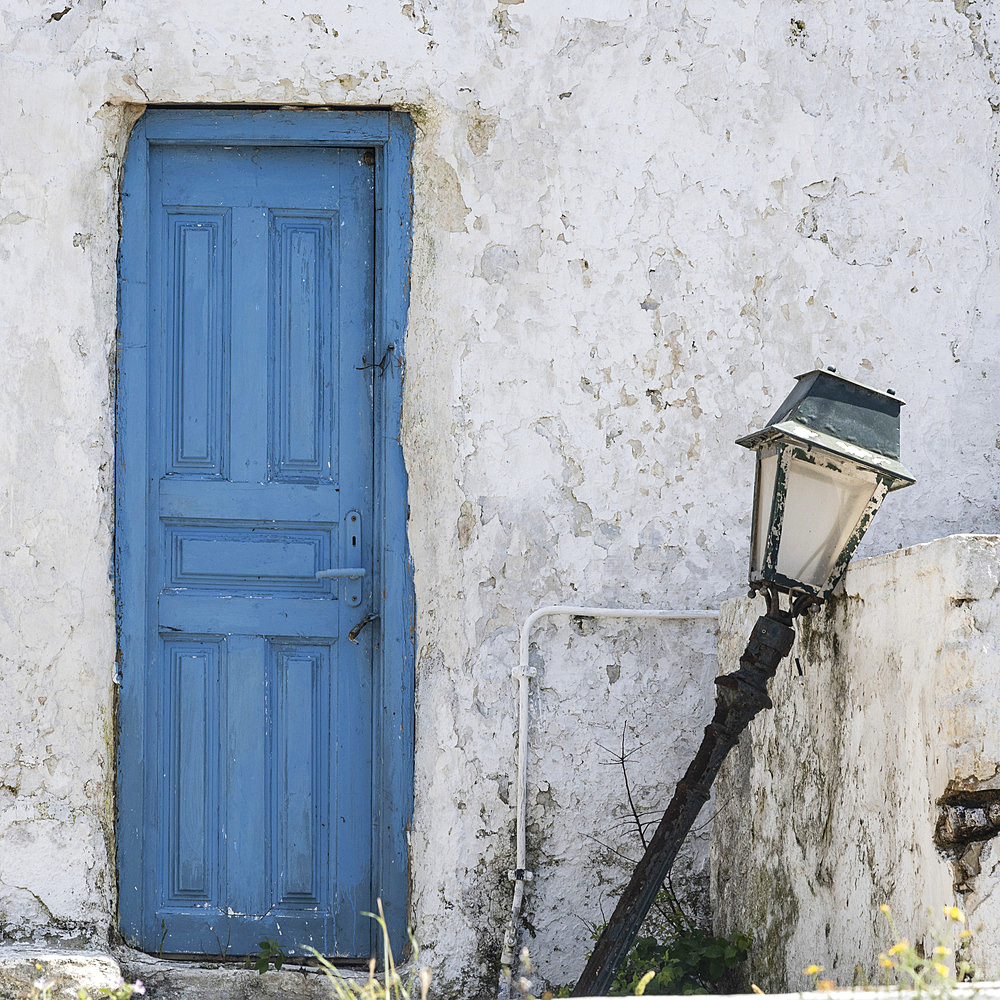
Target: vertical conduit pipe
point(523, 673)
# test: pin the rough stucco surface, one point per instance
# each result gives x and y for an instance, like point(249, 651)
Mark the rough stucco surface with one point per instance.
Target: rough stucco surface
point(66, 970)
point(634, 222)
point(830, 805)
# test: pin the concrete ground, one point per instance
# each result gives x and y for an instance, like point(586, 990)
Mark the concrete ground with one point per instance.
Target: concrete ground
point(71, 970)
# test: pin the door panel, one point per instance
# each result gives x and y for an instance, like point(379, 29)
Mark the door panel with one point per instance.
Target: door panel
point(258, 718)
point(191, 675)
point(301, 390)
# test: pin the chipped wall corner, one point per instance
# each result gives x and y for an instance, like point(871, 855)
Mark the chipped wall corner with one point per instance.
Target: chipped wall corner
point(874, 779)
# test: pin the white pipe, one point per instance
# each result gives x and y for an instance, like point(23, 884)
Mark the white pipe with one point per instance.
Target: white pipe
point(523, 673)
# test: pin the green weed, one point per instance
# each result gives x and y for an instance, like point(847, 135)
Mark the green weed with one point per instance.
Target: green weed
point(269, 953)
point(42, 987)
point(693, 961)
point(389, 985)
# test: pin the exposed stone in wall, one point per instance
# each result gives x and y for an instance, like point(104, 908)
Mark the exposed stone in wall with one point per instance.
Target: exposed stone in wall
point(874, 779)
point(633, 223)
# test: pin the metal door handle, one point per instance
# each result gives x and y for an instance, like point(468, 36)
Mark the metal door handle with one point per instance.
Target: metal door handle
point(351, 551)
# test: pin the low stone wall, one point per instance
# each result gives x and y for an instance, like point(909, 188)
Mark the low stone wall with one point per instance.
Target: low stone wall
point(25, 968)
point(876, 777)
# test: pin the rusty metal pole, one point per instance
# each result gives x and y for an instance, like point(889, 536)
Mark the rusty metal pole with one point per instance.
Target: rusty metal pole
point(741, 695)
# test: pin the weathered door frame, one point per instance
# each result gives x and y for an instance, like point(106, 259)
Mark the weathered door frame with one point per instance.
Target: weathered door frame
point(390, 135)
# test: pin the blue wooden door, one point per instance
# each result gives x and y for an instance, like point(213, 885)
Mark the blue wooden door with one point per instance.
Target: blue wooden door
point(256, 741)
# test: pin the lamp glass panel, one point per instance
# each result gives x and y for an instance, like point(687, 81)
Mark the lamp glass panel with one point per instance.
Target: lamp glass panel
point(767, 469)
point(823, 504)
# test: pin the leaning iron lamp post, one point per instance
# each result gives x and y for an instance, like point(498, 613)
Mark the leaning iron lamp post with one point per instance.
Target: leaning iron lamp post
point(825, 461)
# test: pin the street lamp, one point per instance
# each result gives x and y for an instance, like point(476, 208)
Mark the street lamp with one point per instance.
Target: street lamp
point(825, 461)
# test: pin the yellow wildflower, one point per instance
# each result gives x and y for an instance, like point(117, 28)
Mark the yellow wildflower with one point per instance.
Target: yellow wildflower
point(826, 985)
point(942, 950)
point(886, 962)
point(884, 908)
point(966, 933)
point(942, 970)
point(899, 946)
point(644, 982)
point(812, 970)
point(954, 913)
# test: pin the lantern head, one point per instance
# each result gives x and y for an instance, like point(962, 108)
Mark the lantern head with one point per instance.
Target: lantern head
point(825, 461)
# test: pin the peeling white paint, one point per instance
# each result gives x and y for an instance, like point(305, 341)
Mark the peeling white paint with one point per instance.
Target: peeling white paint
point(619, 264)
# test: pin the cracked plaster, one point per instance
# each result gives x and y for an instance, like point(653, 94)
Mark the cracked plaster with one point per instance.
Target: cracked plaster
point(611, 282)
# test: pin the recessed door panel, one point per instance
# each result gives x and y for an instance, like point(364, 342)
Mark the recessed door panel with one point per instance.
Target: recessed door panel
point(198, 329)
point(303, 395)
point(191, 764)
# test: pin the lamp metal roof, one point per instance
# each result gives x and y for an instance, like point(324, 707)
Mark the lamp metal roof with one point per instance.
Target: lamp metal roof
point(826, 410)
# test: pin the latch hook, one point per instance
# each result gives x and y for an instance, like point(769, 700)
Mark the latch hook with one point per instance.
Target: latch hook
point(356, 631)
point(380, 365)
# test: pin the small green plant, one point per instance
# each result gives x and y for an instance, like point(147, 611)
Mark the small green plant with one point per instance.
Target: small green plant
point(42, 987)
point(387, 986)
point(682, 959)
point(269, 953)
point(120, 992)
point(908, 966)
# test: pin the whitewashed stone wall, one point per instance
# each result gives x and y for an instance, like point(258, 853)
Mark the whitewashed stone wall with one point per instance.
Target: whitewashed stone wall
point(634, 222)
point(829, 809)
